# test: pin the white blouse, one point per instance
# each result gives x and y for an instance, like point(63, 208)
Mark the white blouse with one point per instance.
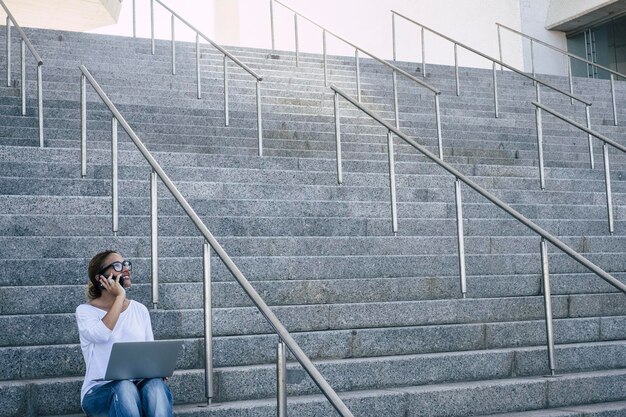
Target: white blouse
point(96, 340)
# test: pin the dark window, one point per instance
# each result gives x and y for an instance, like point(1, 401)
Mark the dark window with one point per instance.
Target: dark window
point(603, 44)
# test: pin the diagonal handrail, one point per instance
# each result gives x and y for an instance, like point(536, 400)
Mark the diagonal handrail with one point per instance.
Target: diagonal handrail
point(605, 154)
point(483, 55)
point(227, 56)
point(206, 38)
point(436, 92)
point(538, 83)
point(461, 178)
point(25, 43)
point(273, 321)
point(534, 40)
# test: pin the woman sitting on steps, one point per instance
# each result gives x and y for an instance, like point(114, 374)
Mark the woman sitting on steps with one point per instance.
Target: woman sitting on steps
point(110, 317)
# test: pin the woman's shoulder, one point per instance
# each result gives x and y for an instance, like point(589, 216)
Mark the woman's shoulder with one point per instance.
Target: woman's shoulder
point(87, 310)
point(136, 305)
point(85, 307)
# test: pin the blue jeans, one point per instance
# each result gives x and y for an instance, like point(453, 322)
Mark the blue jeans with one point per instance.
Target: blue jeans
point(147, 398)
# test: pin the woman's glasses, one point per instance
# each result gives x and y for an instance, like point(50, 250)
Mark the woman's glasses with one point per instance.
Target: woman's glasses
point(118, 266)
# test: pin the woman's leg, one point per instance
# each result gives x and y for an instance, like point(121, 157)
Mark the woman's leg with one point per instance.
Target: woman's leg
point(114, 399)
point(125, 401)
point(97, 400)
point(156, 398)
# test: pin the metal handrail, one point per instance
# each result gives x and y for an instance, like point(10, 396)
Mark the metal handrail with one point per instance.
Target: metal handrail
point(206, 38)
point(487, 57)
point(157, 171)
point(25, 43)
point(358, 49)
point(374, 57)
point(534, 40)
point(461, 178)
point(605, 153)
point(227, 55)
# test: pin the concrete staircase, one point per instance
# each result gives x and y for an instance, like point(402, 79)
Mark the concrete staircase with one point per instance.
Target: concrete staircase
point(380, 315)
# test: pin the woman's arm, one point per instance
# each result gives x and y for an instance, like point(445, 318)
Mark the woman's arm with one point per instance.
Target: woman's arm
point(90, 325)
point(114, 288)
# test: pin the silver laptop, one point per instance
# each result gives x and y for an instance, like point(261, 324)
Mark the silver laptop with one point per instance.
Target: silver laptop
point(139, 360)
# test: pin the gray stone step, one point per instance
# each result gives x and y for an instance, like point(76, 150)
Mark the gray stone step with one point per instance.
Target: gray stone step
point(100, 225)
point(15, 171)
point(291, 246)
point(614, 408)
point(60, 328)
point(181, 295)
point(64, 205)
point(52, 157)
point(427, 190)
point(569, 389)
point(262, 268)
point(483, 158)
point(29, 362)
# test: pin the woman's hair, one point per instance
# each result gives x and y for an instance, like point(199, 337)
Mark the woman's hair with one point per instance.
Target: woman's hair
point(93, 289)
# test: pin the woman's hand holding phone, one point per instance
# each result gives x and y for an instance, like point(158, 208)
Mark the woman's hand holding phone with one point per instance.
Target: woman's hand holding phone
point(112, 285)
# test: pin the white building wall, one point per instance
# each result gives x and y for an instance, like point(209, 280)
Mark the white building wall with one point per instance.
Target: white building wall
point(533, 23)
point(247, 23)
point(199, 13)
point(77, 15)
point(367, 23)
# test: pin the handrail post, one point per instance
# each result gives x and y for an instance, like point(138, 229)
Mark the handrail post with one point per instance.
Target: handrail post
point(83, 126)
point(394, 82)
point(438, 121)
point(173, 45)
point(23, 75)
point(152, 43)
point(134, 20)
point(40, 104)
point(532, 58)
point(325, 58)
point(8, 51)
point(545, 272)
point(198, 73)
point(358, 75)
point(500, 46)
point(460, 235)
point(272, 24)
point(208, 323)
point(423, 53)
point(295, 24)
point(392, 183)
point(570, 79)
point(456, 70)
point(613, 99)
point(607, 181)
point(589, 137)
point(338, 138)
point(393, 34)
point(226, 115)
point(259, 121)
point(281, 379)
point(154, 239)
point(114, 188)
point(539, 122)
point(495, 91)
